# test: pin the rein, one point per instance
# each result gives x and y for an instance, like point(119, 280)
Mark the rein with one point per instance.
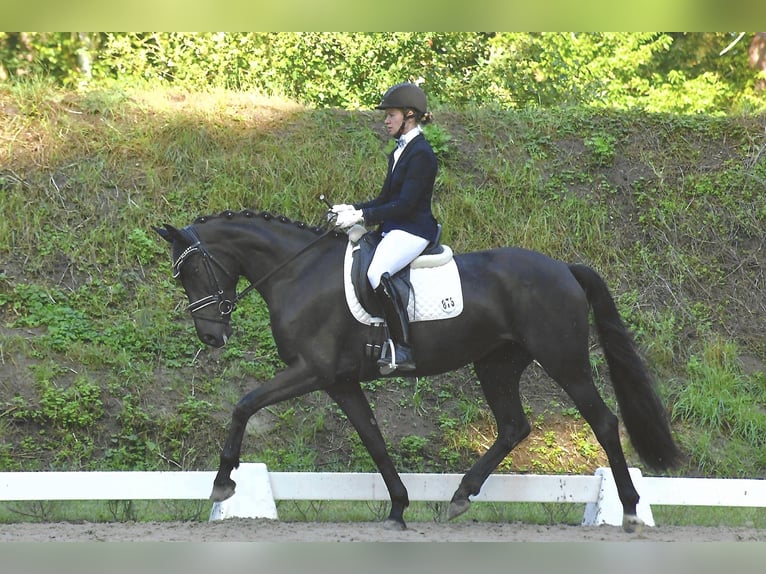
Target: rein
point(226, 306)
point(279, 267)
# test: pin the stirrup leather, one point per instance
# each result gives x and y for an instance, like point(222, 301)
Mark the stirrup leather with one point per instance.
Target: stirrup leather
point(395, 313)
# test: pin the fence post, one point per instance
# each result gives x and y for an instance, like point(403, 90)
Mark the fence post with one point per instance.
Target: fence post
point(608, 508)
point(253, 497)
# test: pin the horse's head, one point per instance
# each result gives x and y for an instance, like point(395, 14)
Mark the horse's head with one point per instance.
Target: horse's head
point(211, 289)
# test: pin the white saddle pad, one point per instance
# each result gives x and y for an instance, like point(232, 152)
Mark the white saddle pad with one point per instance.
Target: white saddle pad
point(436, 293)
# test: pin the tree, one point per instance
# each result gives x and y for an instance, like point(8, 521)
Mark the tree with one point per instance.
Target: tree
point(757, 58)
point(710, 72)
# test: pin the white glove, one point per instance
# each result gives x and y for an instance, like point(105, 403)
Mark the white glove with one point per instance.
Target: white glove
point(349, 218)
point(336, 209)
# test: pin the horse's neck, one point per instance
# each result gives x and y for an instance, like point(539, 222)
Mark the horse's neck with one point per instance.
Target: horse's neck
point(274, 249)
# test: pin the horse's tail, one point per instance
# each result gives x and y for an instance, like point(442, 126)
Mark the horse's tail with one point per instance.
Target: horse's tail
point(643, 414)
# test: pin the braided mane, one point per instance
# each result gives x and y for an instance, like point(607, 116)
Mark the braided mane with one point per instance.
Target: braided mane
point(268, 216)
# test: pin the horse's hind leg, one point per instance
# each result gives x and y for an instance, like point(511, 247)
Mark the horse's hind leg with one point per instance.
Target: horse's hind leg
point(354, 403)
point(577, 381)
point(499, 375)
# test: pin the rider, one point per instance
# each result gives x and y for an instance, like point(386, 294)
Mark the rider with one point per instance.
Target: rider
point(402, 210)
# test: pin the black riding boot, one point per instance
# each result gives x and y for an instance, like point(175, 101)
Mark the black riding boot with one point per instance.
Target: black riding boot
point(395, 313)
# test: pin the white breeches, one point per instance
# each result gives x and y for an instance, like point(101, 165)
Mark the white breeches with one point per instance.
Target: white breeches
point(396, 250)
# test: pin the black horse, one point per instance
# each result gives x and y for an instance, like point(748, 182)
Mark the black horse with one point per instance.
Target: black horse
point(520, 306)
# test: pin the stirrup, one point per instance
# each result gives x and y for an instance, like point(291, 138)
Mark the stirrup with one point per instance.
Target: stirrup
point(387, 363)
point(387, 366)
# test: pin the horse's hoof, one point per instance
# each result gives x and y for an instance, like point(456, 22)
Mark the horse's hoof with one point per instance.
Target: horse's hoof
point(632, 523)
point(223, 490)
point(394, 525)
point(458, 507)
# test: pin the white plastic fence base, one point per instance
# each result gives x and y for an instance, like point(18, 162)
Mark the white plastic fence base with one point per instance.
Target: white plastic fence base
point(253, 497)
point(608, 508)
point(258, 489)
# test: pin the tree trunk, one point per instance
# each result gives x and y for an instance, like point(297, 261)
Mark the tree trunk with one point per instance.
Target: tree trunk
point(757, 57)
point(84, 58)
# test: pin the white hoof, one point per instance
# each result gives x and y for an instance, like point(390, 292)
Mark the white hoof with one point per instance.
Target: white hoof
point(632, 523)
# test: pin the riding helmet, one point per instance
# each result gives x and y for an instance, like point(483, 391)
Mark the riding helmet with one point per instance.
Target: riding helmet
point(404, 95)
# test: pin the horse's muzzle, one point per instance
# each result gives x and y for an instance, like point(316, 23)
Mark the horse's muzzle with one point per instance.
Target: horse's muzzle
point(215, 338)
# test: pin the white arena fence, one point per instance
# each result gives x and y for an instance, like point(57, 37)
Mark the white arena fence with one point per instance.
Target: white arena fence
point(258, 489)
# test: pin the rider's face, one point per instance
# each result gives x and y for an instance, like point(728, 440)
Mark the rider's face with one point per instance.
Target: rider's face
point(393, 120)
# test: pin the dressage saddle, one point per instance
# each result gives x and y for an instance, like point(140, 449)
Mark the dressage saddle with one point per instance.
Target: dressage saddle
point(365, 242)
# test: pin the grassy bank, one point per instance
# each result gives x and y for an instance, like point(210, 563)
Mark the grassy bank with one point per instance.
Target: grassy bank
point(99, 364)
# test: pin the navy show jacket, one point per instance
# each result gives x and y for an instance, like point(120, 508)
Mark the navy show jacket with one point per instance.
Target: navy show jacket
point(404, 201)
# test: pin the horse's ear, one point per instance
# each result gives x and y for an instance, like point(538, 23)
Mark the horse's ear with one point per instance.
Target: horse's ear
point(168, 233)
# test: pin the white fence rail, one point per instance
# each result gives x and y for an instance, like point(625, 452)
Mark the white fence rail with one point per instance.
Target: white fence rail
point(258, 489)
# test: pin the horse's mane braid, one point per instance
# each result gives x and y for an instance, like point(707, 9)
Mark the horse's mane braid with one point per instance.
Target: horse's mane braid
point(267, 215)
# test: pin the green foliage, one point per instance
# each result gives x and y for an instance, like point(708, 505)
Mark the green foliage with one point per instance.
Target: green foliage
point(555, 68)
point(74, 408)
point(410, 453)
point(297, 457)
point(681, 73)
point(360, 459)
point(131, 448)
point(720, 397)
point(36, 306)
point(143, 247)
point(602, 148)
point(42, 54)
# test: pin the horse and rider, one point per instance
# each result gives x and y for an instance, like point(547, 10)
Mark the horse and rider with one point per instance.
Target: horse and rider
point(518, 306)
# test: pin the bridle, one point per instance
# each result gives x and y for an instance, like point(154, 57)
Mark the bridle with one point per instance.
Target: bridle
point(225, 306)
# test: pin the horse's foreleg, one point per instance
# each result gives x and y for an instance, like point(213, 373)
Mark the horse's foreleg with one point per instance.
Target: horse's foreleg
point(353, 402)
point(499, 376)
point(290, 383)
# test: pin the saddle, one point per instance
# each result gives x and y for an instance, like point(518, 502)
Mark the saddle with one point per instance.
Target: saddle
point(364, 244)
